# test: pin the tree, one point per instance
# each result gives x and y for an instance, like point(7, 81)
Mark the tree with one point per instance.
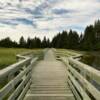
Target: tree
point(44, 43)
point(37, 42)
point(7, 42)
point(73, 40)
point(29, 43)
point(89, 38)
point(56, 41)
point(64, 40)
point(48, 43)
point(22, 42)
point(97, 33)
point(97, 29)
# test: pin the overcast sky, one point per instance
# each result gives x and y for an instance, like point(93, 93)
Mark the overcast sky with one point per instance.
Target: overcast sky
point(45, 17)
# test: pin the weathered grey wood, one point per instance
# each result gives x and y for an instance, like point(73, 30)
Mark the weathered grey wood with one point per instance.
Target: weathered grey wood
point(88, 71)
point(74, 90)
point(5, 90)
point(24, 76)
point(80, 78)
point(22, 95)
point(65, 61)
point(10, 70)
point(86, 85)
point(79, 88)
point(20, 88)
point(49, 80)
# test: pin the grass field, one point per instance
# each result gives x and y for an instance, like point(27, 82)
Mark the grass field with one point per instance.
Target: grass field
point(67, 52)
point(8, 56)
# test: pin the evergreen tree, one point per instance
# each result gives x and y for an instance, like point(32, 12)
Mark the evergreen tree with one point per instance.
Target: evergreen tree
point(64, 40)
point(48, 43)
point(97, 33)
point(97, 29)
point(7, 42)
point(89, 38)
point(89, 41)
point(22, 42)
point(73, 40)
point(44, 43)
point(29, 43)
point(37, 42)
point(56, 42)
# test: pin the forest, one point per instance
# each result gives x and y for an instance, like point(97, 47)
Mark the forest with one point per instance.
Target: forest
point(89, 40)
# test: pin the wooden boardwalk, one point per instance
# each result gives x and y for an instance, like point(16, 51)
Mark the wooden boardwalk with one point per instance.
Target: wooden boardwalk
point(49, 80)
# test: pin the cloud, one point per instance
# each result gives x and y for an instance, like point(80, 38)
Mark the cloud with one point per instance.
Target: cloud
point(61, 11)
point(45, 17)
point(24, 21)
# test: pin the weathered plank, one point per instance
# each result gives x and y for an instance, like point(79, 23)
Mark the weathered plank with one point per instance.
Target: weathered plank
point(24, 67)
point(77, 73)
point(86, 85)
point(79, 88)
point(87, 70)
point(49, 80)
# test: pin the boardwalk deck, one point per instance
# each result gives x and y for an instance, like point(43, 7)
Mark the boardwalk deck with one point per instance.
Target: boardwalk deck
point(49, 80)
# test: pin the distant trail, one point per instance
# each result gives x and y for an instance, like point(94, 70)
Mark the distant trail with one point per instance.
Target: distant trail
point(49, 56)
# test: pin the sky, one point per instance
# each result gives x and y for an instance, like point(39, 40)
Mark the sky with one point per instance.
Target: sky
point(30, 18)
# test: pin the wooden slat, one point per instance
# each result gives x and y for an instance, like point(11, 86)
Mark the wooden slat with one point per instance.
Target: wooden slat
point(20, 88)
point(24, 67)
point(74, 90)
point(79, 88)
point(5, 90)
point(89, 71)
point(86, 84)
point(22, 95)
point(49, 80)
point(13, 68)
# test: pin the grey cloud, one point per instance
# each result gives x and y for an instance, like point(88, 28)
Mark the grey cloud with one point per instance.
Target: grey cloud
point(62, 11)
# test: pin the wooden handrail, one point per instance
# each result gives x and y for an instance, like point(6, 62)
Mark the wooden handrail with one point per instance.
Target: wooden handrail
point(4, 73)
point(79, 78)
point(18, 76)
point(86, 69)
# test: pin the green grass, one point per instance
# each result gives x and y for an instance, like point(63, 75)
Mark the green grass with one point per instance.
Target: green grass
point(8, 56)
point(67, 52)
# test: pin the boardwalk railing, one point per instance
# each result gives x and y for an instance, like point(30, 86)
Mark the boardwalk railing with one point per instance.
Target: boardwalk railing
point(18, 78)
point(83, 79)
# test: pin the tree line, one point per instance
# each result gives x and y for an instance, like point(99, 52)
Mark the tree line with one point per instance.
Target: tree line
point(29, 43)
point(89, 40)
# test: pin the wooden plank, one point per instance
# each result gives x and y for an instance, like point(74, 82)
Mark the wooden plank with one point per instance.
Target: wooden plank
point(89, 71)
point(74, 90)
point(85, 83)
point(49, 80)
point(20, 88)
point(13, 68)
point(79, 88)
point(70, 83)
point(6, 89)
point(22, 95)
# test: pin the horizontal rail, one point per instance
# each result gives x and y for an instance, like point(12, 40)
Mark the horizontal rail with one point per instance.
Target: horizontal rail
point(18, 76)
point(80, 77)
point(4, 73)
point(87, 70)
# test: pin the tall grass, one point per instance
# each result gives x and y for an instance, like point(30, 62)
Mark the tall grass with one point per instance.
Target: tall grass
point(8, 56)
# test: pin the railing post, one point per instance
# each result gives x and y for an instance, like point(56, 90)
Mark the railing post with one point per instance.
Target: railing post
point(10, 77)
point(17, 76)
